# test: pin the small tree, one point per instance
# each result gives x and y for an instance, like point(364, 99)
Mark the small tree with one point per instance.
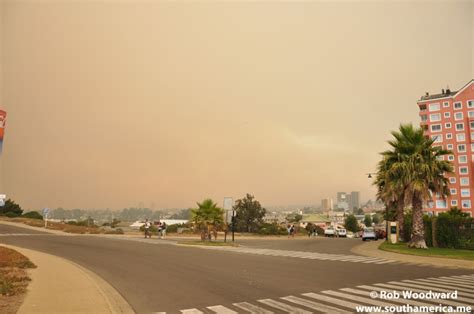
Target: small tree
point(376, 219)
point(207, 218)
point(250, 214)
point(351, 223)
point(368, 221)
point(11, 208)
point(294, 218)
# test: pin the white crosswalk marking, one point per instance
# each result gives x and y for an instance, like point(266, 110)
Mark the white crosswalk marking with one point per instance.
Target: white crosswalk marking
point(324, 298)
point(252, 308)
point(401, 286)
point(191, 311)
point(356, 298)
point(346, 300)
point(221, 309)
point(373, 288)
point(283, 307)
point(435, 286)
point(314, 305)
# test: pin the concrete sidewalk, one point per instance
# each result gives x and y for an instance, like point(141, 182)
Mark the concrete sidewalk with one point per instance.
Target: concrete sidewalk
point(22, 225)
point(61, 286)
point(371, 249)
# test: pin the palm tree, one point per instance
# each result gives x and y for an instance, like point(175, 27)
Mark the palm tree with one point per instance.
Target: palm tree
point(418, 170)
point(391, 188)
point(207, 218)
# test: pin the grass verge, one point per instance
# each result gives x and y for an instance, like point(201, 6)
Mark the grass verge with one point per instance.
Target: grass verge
point(207, 243)
point(13, 279)
point(402, 248)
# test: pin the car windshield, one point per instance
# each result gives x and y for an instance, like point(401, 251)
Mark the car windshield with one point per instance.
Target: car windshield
point(369, 230)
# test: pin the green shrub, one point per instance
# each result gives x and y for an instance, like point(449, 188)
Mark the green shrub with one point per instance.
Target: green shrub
point(33, 215)
point(272, 229)
point(12, 214)
point(454, 229)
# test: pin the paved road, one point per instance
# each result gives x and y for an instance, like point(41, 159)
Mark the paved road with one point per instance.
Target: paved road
point(155, 276)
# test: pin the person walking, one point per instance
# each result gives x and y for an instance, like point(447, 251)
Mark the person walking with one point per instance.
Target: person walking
point(147, 229)
point(160, 230)
point(292, 231)
point(163, 229)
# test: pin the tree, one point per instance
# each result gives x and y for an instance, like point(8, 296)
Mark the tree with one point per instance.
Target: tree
point(351, 223)
point(368, 221)
point(249, 214)
point(376, 219)
point(207, 217)
point(11, 208)
point(416, 170)
point(183, 214)
point(294, 218)
point(358, 211)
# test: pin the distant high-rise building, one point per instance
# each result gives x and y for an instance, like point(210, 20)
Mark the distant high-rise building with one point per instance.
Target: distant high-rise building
point(342, 200)
point(326, 204)
point(355, 200)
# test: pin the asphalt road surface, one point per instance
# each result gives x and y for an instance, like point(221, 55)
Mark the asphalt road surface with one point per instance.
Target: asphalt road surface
point(157, 276)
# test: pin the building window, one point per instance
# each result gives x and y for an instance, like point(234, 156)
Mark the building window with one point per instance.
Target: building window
point(437, 138)
point(434, 117)
point(465, 192)
point(446, 104)
point(460, 137)
point(457, 106)
point(463, 170)
point(447, 114)
point(434, 107)
point(470, 114)
point(454, 203)
point(464, 181)
point(449, 136)
point(472, 147)
point(461, 148)
point(458, 116)
point(453, 191)
point(459, 126)
point(449, 146)
point(447, 125)
point(450, 157)
point(435, 127)
point(452, 180)
point(470, 103)
point(462, 159)
point(424, 118)
point(472, 136)
point(440, 158)
point(441, 204)
point(466, 203)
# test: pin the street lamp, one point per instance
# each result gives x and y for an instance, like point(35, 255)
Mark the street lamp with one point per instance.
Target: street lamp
point(369, 175)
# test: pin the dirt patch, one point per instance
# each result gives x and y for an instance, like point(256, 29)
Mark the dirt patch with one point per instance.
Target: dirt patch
point(60, 226)
point(14, 279)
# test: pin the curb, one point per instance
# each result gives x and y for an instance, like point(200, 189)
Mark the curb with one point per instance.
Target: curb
point(102, 297)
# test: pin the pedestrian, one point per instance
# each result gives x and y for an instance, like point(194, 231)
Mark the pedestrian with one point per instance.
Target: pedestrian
point(163, 229)
point(288, 228)
point(160, 229)
point(315, 231)
point(147, 229)
point(292, 231)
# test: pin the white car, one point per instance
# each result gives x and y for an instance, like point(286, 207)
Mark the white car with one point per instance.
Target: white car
point(369, 234)
point(329, 232)
point(341, 232)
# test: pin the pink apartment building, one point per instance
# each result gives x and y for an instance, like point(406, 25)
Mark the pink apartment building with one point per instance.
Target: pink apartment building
point(448, 118)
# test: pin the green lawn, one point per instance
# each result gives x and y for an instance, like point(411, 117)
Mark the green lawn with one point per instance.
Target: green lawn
point(207, 243)
point(430, 252)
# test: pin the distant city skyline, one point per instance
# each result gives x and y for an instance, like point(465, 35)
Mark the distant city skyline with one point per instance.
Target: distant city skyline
point(113, 103)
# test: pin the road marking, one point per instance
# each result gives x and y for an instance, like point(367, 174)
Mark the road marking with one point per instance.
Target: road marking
point(251, 308)
point(396, 285)
point(457, 282)
point(191, 311)
point(314, 305)
point(356, 298)
point(284, 307)
point(324, 298)
point(421, 283)
point(221, 309)
point(372, 288)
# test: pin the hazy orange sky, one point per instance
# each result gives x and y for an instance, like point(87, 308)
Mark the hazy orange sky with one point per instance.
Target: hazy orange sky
point(113, 103)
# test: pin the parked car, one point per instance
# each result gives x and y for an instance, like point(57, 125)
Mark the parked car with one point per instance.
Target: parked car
point(341, 232)
point(380, 233)
point(350, 234)
point(329, 232)
point(369, 234)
